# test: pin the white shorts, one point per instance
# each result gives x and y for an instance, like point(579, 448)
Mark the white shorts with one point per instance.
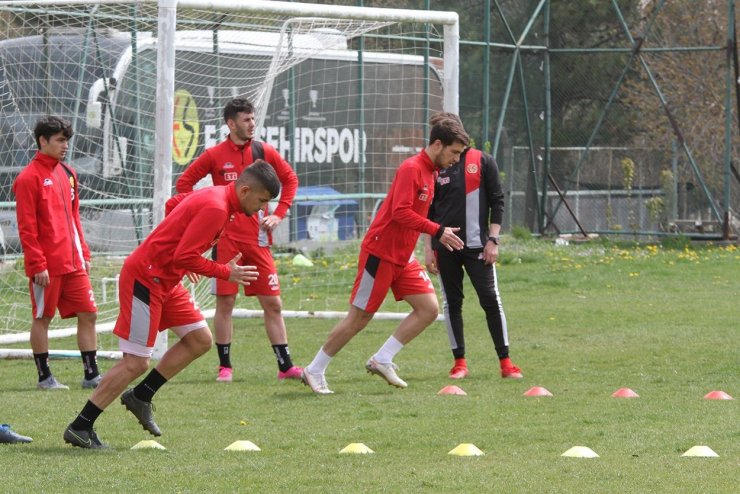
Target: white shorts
point(140, 350)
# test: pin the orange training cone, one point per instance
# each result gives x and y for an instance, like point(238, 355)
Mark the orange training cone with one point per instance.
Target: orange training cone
point(537, 391)
point(452, 390)
point(717, 395)
point(625, 393)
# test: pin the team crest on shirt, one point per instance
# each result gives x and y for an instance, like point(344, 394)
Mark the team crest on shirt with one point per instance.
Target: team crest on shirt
point(424, 195)
point(48, 182)
point(471, 168)
point(228, 164)
point(231, 176)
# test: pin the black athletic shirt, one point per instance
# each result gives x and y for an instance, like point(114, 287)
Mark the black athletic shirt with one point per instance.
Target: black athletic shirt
point(468, 195)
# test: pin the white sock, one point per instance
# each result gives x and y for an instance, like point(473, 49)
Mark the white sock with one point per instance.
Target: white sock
point(319, 363)
point(389, 350)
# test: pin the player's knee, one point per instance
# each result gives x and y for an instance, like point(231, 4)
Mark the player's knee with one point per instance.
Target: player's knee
point(428, 312)
point(135, 365)
point(225, 303)
point(87, 318)
point(273, 305)
point(199, 341)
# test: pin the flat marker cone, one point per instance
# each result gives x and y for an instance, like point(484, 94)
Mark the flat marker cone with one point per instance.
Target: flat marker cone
point(625, 393)
point(537, 391)
point(357, 448)
point(717, 395)
point(301, 260)
point(452, 390)
point(242, 446)
point(148, 444)
point(466, 449)
point(701, 451)
point(580, 452)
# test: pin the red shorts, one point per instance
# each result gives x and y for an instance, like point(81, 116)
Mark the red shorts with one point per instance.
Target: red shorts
point(70, 293)
point(252, 255)
point(375, 276)
point(147, 308)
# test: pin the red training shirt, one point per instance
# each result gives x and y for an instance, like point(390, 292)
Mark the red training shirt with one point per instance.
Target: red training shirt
point(177, 244)
point(393, 234)
point(49, 218)
point(224, 162)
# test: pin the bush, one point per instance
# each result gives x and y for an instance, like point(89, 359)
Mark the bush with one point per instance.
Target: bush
point(520, 232)
point(678, 242)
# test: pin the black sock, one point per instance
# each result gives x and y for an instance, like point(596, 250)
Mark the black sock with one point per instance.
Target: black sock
point(502, 352)
point(42, 365)
point(224, 354)
point(87, 417)
point(90, 364)
point(145, 389)
point(282, 354)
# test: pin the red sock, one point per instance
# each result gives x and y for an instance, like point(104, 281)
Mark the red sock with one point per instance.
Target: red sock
point(460, 362)
point(505, 362)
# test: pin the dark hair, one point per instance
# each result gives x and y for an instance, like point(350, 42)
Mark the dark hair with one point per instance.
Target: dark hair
point(260, 173)
point(237, 105)
point(50, 125)
point(448, 130)
point(441, 115)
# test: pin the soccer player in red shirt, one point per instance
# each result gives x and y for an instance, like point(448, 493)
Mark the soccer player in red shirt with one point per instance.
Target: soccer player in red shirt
point(387, 261)
point(55, 255)
point(250, 236)
point(152, 297)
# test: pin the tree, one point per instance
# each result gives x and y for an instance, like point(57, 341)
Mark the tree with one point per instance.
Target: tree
point(693, 83)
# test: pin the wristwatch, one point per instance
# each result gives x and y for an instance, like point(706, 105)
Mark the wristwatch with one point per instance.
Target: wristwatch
point(494, 239)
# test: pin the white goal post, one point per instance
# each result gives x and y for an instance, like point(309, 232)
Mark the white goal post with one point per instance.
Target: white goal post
point(166, 60)
point(131, 158)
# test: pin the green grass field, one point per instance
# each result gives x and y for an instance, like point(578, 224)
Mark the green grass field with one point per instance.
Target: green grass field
point(583, 321)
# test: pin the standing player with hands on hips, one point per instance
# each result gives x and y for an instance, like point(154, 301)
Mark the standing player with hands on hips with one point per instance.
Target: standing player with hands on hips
point(250, 236)
point(55, 255)
point(469, 194)
point(152, 297)
point(387, 261)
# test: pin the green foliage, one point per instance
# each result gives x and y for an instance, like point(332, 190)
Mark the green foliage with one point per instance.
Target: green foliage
point(677, 242)
point(584, 320)
point(521, 232)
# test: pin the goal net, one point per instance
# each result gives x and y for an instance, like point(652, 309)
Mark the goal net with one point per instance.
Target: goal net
point(344, 93)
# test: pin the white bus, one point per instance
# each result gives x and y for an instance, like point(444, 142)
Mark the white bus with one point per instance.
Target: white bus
point(340, 123)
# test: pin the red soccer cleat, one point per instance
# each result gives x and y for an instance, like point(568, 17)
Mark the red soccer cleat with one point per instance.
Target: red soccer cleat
point(458, 372)
point(509, 370)
point(460, 369)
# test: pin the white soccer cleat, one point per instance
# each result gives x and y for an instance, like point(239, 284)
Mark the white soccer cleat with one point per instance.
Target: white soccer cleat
point(386, 371)
point(317, 383)
point(51, 383)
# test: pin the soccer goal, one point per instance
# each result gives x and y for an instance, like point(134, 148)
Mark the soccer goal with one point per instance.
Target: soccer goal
point(344, 93)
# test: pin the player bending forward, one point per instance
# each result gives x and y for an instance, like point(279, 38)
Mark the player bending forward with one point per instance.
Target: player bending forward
point(152, 297)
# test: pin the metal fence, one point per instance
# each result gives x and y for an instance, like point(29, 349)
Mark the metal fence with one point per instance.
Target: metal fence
point(620, 116)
